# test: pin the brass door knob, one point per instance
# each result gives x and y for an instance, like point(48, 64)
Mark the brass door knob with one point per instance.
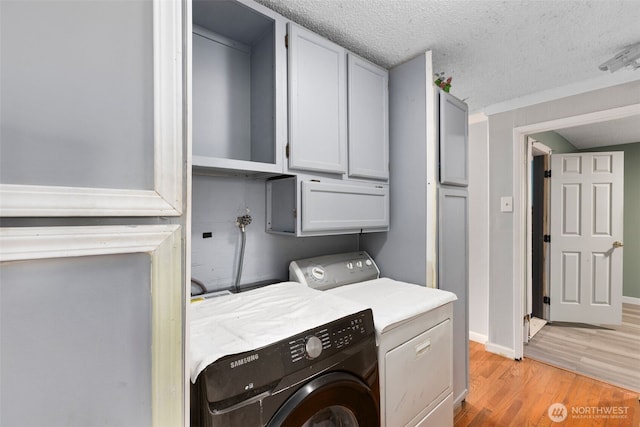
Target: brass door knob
point(618, 244)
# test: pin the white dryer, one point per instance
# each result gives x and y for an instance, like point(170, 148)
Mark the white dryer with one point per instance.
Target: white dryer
point(413, 332)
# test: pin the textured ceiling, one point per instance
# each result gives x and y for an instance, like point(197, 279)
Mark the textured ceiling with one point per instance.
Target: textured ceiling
point(612, 132)
point(495, 51)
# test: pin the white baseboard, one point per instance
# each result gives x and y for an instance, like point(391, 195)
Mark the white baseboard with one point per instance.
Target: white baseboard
point(481, 338)
point(628, 300)
point(502, 351)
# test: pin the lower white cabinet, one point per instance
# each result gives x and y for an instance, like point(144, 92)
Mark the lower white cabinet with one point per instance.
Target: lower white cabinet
point(305, 206)
point(409, 393)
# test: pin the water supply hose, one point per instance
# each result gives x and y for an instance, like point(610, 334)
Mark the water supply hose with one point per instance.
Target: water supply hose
point(242, 222)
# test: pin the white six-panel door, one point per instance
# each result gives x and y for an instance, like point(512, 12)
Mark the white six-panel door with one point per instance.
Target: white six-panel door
point(586, 224)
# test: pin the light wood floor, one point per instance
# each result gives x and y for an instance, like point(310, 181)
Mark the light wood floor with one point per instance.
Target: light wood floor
point(505, 392)
point(610, 353)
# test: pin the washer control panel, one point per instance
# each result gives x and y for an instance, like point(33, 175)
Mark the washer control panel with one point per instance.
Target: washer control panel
point(238, 377)
point(330, 271)
point(332, 338)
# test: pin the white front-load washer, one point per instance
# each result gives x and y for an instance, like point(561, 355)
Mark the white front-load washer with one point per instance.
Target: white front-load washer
point(413, 332)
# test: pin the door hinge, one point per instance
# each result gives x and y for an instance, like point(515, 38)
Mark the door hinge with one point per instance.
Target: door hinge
point(547, 174)
point(286, 151)
point(286, 41)
point(546, 300)
point(546, 238)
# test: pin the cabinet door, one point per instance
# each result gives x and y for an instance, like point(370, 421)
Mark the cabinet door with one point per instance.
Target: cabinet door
point(427, 359)
point(91, 100)
point(453, 276)
point(317, 103)
point(334, 207)
point(368, 119)
point(454, 137)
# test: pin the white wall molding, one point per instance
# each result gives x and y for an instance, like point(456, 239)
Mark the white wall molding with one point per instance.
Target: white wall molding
point(166, 197)
point(502, 351)
point(40, 200)
point(631, 300)
point(24, 243)
point(163, 243)
point(167, 53)
point(432, 178)
point(604, 81)
point(582, 119)
point(479, 338)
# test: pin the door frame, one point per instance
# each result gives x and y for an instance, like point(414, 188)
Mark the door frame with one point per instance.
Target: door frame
point(533, 147)
point(522, 264)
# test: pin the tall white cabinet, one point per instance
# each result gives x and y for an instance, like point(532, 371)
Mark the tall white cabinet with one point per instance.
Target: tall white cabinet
point(427, 239)
point(92, 185)
point(453, 227)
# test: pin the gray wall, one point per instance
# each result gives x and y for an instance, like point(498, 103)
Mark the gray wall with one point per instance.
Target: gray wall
point(501, 125)
point(75, 94)
point(401, 253)
point(76, 341)
point(478, 232)
point(217, 201)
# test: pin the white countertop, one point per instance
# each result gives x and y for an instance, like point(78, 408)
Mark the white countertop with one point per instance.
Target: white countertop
point(392, 301)
point(250, 320)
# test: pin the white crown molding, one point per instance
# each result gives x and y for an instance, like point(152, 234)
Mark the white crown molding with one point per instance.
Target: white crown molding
point(601, 82)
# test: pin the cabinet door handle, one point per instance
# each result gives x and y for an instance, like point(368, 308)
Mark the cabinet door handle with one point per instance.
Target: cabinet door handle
point(423, 347)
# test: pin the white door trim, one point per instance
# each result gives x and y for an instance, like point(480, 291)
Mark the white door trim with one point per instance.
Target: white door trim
point(533, 148)
point(520, 202)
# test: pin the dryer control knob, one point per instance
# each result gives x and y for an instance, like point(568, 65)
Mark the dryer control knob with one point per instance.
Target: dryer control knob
point(313, 347)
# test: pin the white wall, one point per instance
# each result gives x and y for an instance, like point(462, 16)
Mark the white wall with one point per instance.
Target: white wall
point(217, 201)
point(501, 225)
point(478, 229)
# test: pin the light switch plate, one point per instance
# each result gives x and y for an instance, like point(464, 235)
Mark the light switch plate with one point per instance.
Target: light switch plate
point(506, 204)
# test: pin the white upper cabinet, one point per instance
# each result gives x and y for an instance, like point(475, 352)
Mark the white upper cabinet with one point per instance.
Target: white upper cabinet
point(368, 119)
point(317, 103)
point(238, 96)
point(91, 100)
point(454, 140)
point(305, 206)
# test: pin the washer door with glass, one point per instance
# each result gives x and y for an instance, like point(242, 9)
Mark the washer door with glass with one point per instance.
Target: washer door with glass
point(333, 400)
